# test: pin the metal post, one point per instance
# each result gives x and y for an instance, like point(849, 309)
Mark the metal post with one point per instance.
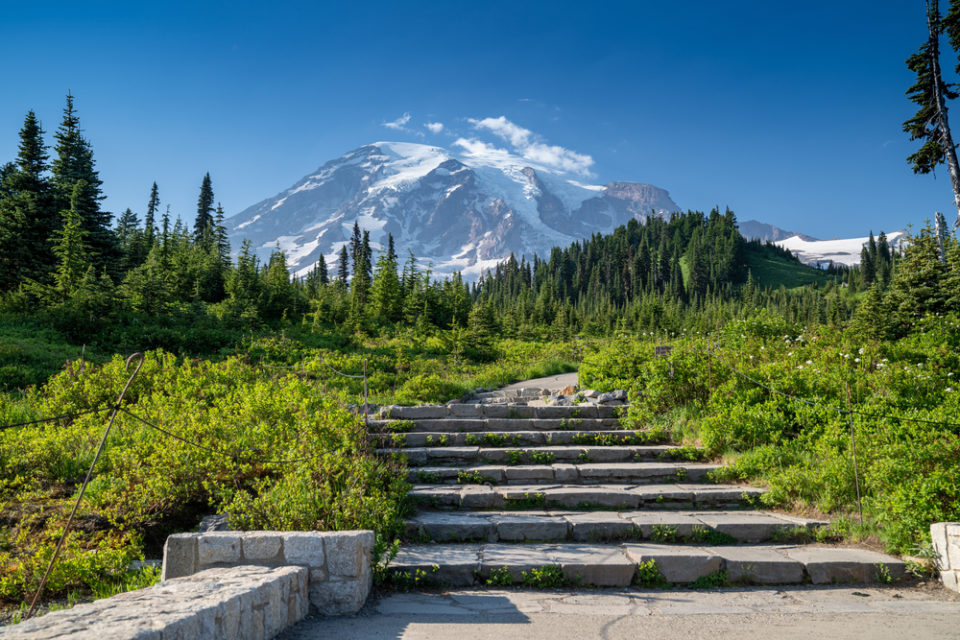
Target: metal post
point(83, 487)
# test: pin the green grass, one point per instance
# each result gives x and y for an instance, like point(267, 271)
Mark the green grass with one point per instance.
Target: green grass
point(771, 270)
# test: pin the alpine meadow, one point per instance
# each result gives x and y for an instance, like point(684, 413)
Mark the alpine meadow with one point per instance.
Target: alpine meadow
point(234, 376)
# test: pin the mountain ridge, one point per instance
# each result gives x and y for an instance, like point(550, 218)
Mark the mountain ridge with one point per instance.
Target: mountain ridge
point(460, 212)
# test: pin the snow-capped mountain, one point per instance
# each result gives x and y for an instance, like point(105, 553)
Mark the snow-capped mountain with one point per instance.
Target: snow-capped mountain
point(462, 212)
point(756, 230)
point(840, 251)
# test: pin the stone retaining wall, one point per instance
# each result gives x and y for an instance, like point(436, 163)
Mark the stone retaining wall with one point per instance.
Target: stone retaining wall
point(338, 562)
point(946, 542)
point(236, 603)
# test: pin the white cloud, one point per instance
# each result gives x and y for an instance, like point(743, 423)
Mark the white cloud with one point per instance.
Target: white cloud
point(399, 123)
point(531, 147)
point(488, 153)
point(434, 127)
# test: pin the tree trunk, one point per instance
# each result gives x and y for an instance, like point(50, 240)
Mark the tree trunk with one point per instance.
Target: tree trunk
point(946, 140)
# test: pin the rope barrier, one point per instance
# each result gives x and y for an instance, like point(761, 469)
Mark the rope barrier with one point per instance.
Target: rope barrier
point(55, 418)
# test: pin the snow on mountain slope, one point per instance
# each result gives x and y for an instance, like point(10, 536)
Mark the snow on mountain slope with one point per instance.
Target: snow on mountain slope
point(461, 211)
point(839, 251)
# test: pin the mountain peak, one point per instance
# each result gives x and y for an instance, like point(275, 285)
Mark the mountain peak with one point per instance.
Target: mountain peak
point(462, 211)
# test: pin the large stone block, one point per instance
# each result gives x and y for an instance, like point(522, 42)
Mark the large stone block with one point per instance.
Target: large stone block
point(348, 552)
point(938, 535)
point(759, 565)
point(677, 564)
point(218, 547)
point(838, 565)
point(953, 545)
point(179, 556)
point(601, 566)
point(262, 547)
point(520, 527)
point(303, 548)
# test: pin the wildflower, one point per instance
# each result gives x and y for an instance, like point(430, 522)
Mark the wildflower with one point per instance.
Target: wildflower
point(860, 350)
point(809, 361)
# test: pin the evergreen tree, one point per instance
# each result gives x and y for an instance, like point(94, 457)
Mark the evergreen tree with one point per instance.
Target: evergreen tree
point(74, 163)
point(203, 225)
point(322, 274)
point(868, 261)
point(70, 248)
point(220, 240)
point(355, 247)
point(279, 294)
point(385, 292)
point(931, 92)
point(150, 221)
point(27, 211)
point(391, 251)
point(343, 270)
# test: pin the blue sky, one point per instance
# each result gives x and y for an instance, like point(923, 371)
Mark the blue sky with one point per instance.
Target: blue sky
point(787, 113)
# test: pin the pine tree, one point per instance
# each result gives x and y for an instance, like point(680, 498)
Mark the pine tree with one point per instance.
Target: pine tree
point(74, 163)
point(343, 270)
point(150, 221)
point(391, 251)
point(70, 247)
point(220, 240)
point(322, 274)
point(868, 261)
point(931, 92)
point(203, 225)
point(27, 211)
point(355, 247)
point(385, 292)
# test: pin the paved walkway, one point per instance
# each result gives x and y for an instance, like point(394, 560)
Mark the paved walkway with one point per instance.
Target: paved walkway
point(553, 383)
point(629, 614)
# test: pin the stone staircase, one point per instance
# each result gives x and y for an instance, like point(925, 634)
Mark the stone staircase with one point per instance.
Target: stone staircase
point(507, 489)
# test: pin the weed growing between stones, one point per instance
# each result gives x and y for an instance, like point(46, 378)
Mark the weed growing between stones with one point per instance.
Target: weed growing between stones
point(882, 573)
point(796, 535)
point(649, 575)
point(399, 426)
point(472, 477)
point(542, 457)
point(528, 501)
point(710, 581)
point(514, 457)
point(416, 579)
point(500, 577)
point(663, 533)
point(548, 576)
point(428, 477)
point(708, 535)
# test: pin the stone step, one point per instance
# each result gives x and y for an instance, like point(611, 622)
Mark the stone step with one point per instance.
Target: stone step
point(609, 565)
point(501, 439)
point(506, 411)
point(441, 456)
point(613, 496)
point(594, 526)
point(583, 474)
point(458, 425)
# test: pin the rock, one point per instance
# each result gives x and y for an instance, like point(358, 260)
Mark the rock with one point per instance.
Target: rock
point(216, 522)
point(590, 393)
point(618, 395)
